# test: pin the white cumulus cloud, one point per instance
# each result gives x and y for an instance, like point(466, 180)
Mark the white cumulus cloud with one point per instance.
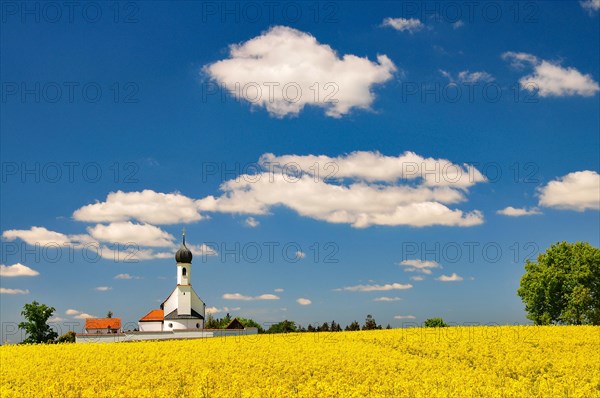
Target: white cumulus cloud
point(468, 77)
point(103, 288)
point(550, 79)
point(375, 288)
point(37, 236)
point(92, 248)
point(126, 276)
point(419, 266)
point(458, 24)
point(252, 222)
point(241, 297)
point(17, 269)
point(578, 191)
point(83, 315)
point(146, 206)
point(4, 290)
point(284, 69)
point(78, 314)
point(387, 299)
point(404, 317)
point(518, 212)
point(128, 232)
point(410, 25)
point(202, 250)
point(361, 189)
point(373, 166)
point(590, 5)
point(303, 301)
point(450, 278)
point(216, 310)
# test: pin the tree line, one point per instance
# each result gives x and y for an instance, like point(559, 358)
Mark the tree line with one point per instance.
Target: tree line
point(288, 326)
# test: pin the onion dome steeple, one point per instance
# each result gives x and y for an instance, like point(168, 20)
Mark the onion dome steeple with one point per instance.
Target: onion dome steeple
point(183, 255)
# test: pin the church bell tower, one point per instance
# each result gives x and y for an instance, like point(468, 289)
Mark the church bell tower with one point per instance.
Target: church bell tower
point(183, 257)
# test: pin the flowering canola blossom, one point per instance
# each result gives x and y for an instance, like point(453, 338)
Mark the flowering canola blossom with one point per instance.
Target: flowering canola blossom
point(502, 361)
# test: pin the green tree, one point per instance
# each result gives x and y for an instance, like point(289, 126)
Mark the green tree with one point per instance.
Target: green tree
point(435, 323)
point(370, 323)
point(388, 326)
point(68, 337)
point(109, 314)
point(563, 286)
point(36, 324)
point(354, 326)
point(212, 323)
point(283, 327)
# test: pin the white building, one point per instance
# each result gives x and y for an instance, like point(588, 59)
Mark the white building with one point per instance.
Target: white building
point(183, 309)
point(181, 316)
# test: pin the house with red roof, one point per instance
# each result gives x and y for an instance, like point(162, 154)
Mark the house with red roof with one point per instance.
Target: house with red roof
point(102, 325)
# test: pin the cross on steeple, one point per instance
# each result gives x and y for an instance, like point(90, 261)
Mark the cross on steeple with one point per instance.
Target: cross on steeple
point(183, 234)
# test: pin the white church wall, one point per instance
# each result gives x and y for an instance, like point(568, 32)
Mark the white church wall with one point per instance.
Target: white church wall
point(150, 326)
point(183, 324)
point(184, 279)
point(171, 304)
point(99, 338)
point(197, 303)
point(185, 300)
point(177, 334)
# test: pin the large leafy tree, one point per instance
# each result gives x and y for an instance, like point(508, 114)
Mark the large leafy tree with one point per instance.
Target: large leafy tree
point(435, 323)
point(283, 327)
point(563, 286)
point(36, 324)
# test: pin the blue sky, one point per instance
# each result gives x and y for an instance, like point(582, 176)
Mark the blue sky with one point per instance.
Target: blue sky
point(120, 124)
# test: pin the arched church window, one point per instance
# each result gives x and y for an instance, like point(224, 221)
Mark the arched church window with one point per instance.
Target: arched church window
point(184, 272)
point(197, 326)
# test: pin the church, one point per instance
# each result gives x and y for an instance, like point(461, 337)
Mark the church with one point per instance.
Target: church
point(183, 309)
point(180, 316)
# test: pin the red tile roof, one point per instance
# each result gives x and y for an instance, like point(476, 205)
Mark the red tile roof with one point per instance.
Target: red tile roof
point(154, 315)
point(103, 323)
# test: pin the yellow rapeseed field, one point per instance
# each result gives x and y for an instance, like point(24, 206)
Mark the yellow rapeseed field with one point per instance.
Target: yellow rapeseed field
point(503, 361)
